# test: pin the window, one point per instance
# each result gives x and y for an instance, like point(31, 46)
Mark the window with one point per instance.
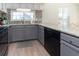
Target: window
point(18, 16)
point(28, 15)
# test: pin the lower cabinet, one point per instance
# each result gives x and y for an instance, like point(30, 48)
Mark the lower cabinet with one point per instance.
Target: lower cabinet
point(22, 32)
point(69, 45)
point(68, 49)
point(52, 41)
point(15, 34)
point(30, 32)
point(41, 34)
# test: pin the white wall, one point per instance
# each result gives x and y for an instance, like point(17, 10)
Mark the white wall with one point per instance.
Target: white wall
point(74, 14)
point(50, 13)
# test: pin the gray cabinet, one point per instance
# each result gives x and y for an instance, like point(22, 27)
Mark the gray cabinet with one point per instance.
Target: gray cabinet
point(68, 49)
point(41, 34)
point(15, 33)
point(22, 32)
point(69, 45)
point(30, 32)
point(9, 34)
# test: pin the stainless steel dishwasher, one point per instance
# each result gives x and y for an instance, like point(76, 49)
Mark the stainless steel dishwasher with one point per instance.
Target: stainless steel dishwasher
point(69, 45)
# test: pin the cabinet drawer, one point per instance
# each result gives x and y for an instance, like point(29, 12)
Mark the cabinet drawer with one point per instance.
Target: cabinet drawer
point(17, 27)
point(68, 49)
point(70, 39)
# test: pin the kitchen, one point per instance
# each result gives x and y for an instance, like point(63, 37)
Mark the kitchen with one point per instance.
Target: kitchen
point(39, 29)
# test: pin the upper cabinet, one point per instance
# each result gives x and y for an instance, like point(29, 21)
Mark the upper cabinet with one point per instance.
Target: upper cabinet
point(33, 6)
point(0, 6)
point(12, 5)
point(3, 8)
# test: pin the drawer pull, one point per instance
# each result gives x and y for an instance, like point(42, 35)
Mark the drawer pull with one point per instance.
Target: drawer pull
point(70, 42)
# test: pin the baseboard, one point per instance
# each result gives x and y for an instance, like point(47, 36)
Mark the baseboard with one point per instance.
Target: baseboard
point(40, 42)
point(21, 41)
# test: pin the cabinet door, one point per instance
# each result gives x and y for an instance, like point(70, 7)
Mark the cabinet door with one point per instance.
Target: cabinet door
point(30, 32)
point(10, 34)
point(24, 32)
point(0, 6)
point(12, 5)
point(41, 34)
point(68, 49)
point(69, 45)
point(4, 8)
point(15, 33)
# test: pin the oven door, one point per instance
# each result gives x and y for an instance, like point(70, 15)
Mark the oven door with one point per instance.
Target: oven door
point(68, 49)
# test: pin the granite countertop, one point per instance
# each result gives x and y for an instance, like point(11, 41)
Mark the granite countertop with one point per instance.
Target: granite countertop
point(72, 30)
point(24, 24)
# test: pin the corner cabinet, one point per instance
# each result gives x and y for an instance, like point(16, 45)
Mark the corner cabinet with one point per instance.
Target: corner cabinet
point(52, 41)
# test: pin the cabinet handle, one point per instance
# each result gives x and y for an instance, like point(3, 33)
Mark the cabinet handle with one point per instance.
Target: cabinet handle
point(70, 42)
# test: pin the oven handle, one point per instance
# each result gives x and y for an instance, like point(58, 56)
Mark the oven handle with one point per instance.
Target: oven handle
point(70, 46)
